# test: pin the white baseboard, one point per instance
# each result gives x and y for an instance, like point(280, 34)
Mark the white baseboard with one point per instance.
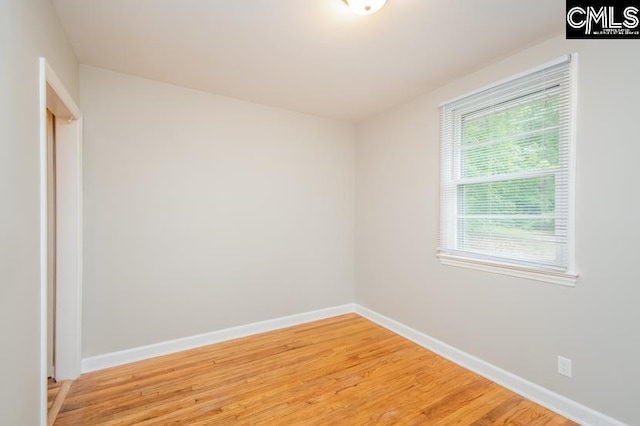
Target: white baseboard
point(551, 400)
point(536, 393)
point(113, 359)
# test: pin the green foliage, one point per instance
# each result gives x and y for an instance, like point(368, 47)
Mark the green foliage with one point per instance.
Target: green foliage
point(518, 116)
point(515, 137)
point(533, 196)
point(519, 138)
point(532, 239)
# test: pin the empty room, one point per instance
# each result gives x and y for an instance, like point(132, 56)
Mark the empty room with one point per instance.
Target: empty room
point(348, 212)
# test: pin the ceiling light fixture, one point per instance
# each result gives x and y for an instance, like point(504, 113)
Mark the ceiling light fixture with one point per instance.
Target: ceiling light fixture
point(365, 7)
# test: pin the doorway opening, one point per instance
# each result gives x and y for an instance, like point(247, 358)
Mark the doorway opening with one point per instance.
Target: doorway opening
point(51, 244)
point(60, 233)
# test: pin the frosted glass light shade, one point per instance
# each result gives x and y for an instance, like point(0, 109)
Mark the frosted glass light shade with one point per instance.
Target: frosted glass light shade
point(365, 7)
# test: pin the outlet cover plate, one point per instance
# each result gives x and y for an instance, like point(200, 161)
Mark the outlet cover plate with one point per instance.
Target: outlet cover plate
point(564, 366)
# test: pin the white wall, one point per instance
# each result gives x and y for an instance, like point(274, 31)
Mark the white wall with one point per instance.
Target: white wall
point(204, 212)
point(516, 324)
point(28, 29)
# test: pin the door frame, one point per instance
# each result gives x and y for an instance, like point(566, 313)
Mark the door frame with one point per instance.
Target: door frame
point(68, 333)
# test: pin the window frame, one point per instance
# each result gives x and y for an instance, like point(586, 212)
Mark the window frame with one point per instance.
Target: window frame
point(448, 212)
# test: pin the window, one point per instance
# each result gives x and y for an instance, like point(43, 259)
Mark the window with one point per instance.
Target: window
point(506, 176)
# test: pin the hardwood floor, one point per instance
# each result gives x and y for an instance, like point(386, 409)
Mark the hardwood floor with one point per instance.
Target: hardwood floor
point(56, 394)
point(53, 388)
point(341, 371)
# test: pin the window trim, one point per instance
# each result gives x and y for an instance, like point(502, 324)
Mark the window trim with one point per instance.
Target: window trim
point(565, 278)
point(562, 278)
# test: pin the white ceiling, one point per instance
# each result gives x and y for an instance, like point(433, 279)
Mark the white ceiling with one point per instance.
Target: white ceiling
point(312, 56)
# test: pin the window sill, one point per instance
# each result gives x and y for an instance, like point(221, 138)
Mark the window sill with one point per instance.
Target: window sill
point(561, 278)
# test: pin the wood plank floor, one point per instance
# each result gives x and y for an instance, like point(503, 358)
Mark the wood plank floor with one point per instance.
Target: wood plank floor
point(53, 388)
point(340, 371)
point(56, 394)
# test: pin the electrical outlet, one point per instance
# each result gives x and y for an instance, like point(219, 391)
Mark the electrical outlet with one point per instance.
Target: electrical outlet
point(564, 366)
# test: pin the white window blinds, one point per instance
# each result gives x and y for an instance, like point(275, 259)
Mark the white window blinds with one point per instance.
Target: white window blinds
point(506, 171)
